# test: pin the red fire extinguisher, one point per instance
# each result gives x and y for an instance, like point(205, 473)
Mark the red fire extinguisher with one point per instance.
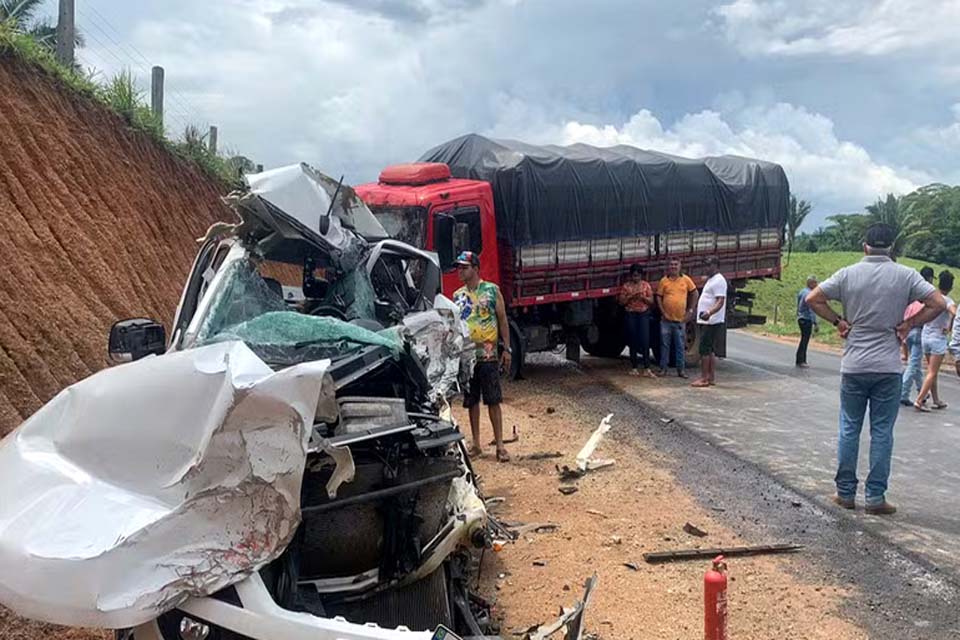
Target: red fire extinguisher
point(715, 601)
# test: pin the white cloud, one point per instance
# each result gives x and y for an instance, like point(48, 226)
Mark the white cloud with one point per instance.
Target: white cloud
point(841, 27)
point(836, 175)
point(353, 85)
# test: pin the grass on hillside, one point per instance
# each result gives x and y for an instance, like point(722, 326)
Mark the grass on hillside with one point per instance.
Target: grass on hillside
point(777, 299)
point(120, 95)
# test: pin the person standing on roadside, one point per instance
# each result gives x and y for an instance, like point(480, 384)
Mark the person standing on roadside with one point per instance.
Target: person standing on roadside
point(807, 320)
point(483, 311)
point(874, 293)
point(677, 298)
point(913, 375)
point(711, 318)
point(636, 296)
point(934, 338)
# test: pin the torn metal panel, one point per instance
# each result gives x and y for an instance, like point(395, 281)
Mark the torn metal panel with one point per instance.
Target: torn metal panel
point(304, 194)
point(584, 460)
point(441, 341)
point(571, 619)
point(131, 503)
point(345, 469)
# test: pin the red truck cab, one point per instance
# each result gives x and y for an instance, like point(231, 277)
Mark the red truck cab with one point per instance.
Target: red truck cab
point(421, 204)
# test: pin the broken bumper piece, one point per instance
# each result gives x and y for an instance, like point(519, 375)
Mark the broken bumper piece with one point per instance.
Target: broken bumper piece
point(255, 615)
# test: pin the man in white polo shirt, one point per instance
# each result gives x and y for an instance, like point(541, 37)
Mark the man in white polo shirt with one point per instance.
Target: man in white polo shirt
point(874, 293)
point(711, 318)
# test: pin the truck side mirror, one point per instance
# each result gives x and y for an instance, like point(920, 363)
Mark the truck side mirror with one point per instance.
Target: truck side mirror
point(136, 338)
point(443, 240)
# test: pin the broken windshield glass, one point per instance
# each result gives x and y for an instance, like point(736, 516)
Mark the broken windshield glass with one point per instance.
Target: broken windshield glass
point(407, 224)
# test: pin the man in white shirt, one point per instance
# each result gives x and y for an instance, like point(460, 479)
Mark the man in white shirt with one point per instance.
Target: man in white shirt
point(711, 316)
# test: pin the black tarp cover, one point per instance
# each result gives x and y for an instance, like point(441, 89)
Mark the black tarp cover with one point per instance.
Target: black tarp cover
point(579, 192)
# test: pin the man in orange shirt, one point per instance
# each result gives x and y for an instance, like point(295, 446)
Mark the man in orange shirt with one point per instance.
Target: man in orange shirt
point(677, 299)
point(636, 296)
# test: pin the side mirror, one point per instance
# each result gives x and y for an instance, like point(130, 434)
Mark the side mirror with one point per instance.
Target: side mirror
point(136, 338)
point(443, 240)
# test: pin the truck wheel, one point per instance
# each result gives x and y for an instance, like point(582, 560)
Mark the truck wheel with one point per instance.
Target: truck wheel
point(519, 353)
point(605, 341)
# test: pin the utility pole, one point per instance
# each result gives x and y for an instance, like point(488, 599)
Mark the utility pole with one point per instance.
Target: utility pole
point(212, 139)
point(66, 33)
point(156, 92)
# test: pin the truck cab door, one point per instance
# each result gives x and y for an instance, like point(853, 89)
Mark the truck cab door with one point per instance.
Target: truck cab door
point(456, 229)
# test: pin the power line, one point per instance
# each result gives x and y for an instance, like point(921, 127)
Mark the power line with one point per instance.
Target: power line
point(176, 96)
point(177, 111)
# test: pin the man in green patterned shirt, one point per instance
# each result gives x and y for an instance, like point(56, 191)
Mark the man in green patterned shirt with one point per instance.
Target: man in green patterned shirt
point(482, 309)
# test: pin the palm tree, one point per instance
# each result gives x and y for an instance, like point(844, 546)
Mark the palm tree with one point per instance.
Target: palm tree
point(896, 213)
point(796, 214)
point(23, 15)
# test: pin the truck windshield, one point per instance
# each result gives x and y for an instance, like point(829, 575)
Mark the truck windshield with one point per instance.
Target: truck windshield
point(407, 224)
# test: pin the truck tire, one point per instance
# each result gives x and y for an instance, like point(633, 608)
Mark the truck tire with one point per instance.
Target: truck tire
point(607, 339)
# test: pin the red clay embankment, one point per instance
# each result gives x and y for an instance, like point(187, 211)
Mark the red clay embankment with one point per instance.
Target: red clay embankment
point(97, 223)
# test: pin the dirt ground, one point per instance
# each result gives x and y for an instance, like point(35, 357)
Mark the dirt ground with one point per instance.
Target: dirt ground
point(616, 515)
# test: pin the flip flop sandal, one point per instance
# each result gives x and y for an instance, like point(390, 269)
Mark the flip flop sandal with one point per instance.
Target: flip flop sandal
point(939, 405)
point(921, 408)
point(503, 456)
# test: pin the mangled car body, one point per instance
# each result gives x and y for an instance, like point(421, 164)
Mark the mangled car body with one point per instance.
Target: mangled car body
point(286, 468)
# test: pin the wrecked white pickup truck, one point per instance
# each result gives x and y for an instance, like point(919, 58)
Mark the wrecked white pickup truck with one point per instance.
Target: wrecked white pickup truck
point(280, 468)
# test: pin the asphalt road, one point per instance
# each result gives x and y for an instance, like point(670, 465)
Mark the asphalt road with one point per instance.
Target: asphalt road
point(754, 453)
point(785, 420)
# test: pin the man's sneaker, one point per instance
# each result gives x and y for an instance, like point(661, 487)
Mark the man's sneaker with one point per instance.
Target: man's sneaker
point(882, 509)
point(907, 403)
point(682, 374)
point(846, 503)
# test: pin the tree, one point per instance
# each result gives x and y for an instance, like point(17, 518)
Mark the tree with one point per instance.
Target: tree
point(796, 214)
point(935, 211)
point(893, 211)
point(22, 14)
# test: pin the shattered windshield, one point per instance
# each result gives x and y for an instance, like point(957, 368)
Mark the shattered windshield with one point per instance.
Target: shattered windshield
point(407, 224)
point(250, 308)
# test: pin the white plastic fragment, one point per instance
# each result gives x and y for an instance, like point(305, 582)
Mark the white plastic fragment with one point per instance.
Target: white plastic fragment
point(584, 460)
point(152, 482)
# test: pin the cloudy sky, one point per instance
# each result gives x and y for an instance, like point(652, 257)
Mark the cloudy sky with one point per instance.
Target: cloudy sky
point(855, 98)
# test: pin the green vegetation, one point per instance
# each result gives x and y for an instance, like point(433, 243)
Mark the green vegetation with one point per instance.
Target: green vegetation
point(21, 15)
point(123, 97)
point(778, 298)
point(927, 223)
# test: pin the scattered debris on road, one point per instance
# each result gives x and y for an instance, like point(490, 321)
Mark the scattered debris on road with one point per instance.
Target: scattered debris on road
point(542, 455)
point(570, 619)
point(694, 530)
point(695, 554)
point(584, 460)
point(535, 527)
point(514, 438)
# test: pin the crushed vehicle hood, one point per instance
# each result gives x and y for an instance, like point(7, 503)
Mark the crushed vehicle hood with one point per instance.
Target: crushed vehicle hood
point(291, 202)
point(98, 488)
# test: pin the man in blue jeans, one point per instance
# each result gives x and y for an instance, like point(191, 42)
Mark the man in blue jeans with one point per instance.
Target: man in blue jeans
point(676, 298)
point(874, 293)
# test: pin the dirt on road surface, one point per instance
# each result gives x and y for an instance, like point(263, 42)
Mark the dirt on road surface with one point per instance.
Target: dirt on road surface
point(616, 515)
